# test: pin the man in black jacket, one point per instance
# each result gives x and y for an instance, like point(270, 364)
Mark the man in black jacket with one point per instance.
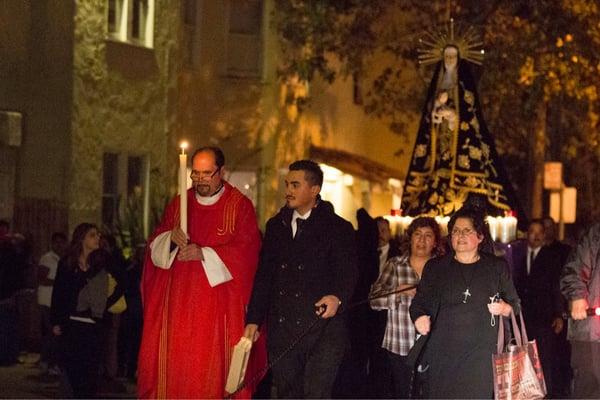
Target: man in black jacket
point(536, 270)
point(308, 266)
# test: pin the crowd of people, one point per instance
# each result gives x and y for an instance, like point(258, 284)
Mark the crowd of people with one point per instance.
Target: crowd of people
point(337, 312)
point(88, 330)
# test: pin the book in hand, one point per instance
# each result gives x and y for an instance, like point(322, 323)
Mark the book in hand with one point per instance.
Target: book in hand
point(237, 367)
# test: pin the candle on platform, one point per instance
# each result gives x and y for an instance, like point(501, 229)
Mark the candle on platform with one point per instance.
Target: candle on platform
point(493, 225)
point(508, 229)
point(405, 223)
point(183, 187)
point(512, 226)
point(443, 224)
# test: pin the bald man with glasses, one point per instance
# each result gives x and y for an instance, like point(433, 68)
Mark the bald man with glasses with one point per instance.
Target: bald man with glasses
point(196, 288)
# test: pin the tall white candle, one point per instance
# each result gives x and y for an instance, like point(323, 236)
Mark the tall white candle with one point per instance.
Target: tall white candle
point(493, 225)
point(512, 227)
point(183, 188)
point(443, 223)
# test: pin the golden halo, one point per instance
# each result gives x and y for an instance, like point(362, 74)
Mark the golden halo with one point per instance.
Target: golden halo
point(466, 40)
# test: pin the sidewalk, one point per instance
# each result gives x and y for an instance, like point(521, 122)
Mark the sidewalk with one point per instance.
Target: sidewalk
point(23, 381)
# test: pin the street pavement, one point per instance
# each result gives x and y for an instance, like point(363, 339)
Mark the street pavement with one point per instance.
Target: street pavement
point(25, 381)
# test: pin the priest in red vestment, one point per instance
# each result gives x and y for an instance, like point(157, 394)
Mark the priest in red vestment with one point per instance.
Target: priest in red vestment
point(195, 289)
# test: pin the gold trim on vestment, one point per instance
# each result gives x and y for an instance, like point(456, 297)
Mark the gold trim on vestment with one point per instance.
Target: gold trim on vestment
point(163, 345)
point(229, 214)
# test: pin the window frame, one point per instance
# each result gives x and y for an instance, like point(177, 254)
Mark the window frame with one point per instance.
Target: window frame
point(121, 29)
point(234, 35)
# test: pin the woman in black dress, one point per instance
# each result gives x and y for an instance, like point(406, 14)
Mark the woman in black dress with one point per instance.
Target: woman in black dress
point(454, 306)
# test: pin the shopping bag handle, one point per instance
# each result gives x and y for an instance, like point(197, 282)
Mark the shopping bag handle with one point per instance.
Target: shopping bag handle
point(523, 330)
point(516, 331)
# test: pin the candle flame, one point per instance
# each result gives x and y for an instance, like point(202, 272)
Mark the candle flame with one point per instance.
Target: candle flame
point(183, 145)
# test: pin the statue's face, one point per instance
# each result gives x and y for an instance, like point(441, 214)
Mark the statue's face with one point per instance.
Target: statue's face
point(443, 97)
point(450, 57)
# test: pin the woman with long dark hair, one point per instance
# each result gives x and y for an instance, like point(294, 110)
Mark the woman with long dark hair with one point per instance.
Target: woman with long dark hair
point(457, 304)
point(78, 304)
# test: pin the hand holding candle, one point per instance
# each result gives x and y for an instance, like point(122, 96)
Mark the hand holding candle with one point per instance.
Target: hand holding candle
point(183, 188)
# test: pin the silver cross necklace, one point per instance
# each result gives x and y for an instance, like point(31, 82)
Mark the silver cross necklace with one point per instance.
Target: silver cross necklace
point(466, 293)
point(461, 266)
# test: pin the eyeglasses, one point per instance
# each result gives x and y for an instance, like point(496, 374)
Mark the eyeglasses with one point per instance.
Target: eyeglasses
point(462, 232)
point(204, 174)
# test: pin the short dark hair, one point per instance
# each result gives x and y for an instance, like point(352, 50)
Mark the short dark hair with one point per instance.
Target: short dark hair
point(539, 221)
point(425, 222)
point(58, 236)
point(312, 172)
point(548, 218)
point(217, 153)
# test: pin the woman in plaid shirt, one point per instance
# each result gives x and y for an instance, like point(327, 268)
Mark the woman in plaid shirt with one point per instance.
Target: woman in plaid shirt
point(398, 273)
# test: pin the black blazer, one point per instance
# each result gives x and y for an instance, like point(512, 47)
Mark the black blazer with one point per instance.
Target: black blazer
point(294, 273)
point(539, 291)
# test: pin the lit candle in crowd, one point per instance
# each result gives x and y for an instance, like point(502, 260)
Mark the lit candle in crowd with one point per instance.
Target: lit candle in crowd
point(405, 221)
point(508, 228)
point(443, 224)
point(493, 225)
point(183, 187)
point(512, 225)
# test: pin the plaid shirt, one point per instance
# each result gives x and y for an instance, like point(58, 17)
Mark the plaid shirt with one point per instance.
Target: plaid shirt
point(399, 330)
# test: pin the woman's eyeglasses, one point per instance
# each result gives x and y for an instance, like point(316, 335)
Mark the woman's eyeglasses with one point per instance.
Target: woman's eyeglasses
point(462, 232)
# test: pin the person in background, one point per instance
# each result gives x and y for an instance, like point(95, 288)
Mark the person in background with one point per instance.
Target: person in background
point(379, 367)
point(580, 284)
point(112, 321)
point(559, 247)
point(536, 270)
point(402, 272)
point(130, 334)
point(47, 267)
point(365, 371)
point(11, 281)
point(562, 356)
point(78, 305)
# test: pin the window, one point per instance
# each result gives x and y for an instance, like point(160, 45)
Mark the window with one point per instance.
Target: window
point(244, 46)
point(191, 40)
point(124, 184)
point(114, 16)
point(135, 169)
point(131, 21)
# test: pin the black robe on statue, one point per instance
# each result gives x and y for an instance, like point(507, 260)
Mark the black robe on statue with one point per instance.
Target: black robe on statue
point(453, 162)
point(462, 338)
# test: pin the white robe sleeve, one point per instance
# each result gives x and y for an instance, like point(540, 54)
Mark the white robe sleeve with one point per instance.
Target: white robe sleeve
point(215, 269)
point(160, 252)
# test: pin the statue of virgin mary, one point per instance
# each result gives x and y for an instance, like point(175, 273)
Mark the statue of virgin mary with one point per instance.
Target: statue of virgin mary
point(454, 158)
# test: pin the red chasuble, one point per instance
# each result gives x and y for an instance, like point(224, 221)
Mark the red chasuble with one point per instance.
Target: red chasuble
point(190, 328)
